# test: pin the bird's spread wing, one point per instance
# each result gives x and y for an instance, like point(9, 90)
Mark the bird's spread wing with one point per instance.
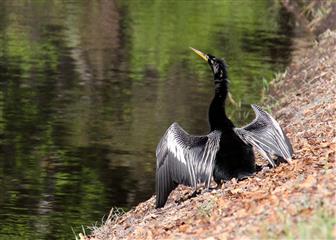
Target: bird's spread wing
point(266, 135)
point(183, 159)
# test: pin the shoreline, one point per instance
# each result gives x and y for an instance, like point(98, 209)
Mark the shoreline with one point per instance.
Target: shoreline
point(270, 204)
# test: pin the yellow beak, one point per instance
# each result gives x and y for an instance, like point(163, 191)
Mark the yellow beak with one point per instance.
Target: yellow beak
point(202, 55)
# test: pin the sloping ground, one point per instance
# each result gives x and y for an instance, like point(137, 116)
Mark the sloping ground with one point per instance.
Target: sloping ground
point(291, 201)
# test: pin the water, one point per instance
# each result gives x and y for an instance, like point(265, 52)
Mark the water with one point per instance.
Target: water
point(89, 87)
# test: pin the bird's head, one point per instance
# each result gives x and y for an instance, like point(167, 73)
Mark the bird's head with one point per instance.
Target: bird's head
point(217, 65)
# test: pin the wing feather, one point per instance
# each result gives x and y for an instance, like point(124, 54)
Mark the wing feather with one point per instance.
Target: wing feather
point(266, 135)
point(183, 159)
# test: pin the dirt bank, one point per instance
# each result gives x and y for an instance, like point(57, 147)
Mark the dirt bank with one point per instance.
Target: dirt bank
point(296, 200)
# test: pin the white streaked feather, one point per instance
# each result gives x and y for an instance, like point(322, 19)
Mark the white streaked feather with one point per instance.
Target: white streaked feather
point(281, 136)
point(195, 164)
point(266, 135)
point(175, 147)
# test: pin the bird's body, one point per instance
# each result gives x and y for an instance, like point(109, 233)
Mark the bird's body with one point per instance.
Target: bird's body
point(234, 158)
point(225, 153)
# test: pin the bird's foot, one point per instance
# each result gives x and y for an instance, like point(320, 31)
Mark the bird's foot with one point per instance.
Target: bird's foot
point(188, 196)
point(192, 194)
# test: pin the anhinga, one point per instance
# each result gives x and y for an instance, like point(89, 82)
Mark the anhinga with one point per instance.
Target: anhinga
point(225, 153)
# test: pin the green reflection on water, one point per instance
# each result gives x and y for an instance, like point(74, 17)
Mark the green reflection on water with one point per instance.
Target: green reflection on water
point(89, 87)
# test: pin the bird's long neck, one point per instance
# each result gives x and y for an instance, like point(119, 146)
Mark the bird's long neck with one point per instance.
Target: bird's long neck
point(217, 116)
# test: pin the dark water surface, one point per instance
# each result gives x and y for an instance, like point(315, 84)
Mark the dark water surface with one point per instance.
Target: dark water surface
point(89, 87)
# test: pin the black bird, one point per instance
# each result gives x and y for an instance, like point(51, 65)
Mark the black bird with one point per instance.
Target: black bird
point(225, 153)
